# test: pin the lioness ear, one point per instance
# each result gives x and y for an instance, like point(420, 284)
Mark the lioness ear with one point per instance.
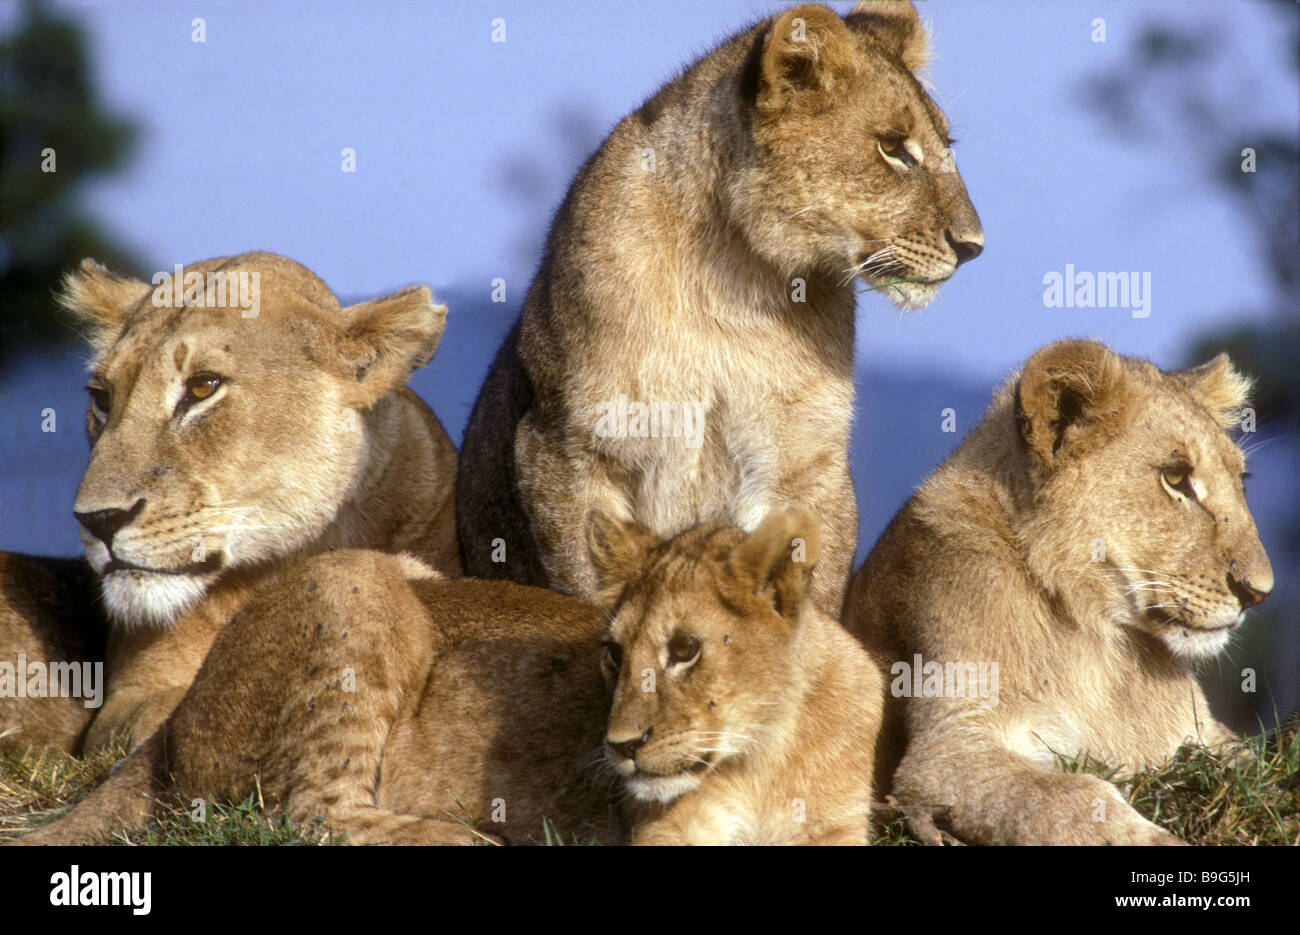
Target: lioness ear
point(780, 553)
point(101, 299)
point(805, 51)
point(386, 338)
point(898, 27)
point(1067, 391)
point(1220, 386)
point(618, 553)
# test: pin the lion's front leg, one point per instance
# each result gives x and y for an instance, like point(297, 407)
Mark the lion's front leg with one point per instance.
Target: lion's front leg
point(826, 487)
point(995, 796)
point(558, 487)
point(139, 710)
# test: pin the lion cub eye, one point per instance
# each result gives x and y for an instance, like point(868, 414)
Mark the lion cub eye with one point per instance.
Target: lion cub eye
point(198, 388)
point(683, 649)
point(1178, 480)
point(99, 401)
point(894, 148)
point(612, 656)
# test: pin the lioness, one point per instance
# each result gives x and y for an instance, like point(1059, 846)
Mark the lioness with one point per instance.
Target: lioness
point(406, 708)
point(685, 352)
point(227, 441)
point(1090, 539)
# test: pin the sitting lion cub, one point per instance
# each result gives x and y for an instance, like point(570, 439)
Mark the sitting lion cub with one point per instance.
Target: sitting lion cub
point(240, 418)
point(1048, 590)
point(406, 708)
point(685, 352)
point(742, 714)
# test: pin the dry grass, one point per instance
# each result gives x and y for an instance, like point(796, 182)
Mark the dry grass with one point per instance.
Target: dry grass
point(1205, 797)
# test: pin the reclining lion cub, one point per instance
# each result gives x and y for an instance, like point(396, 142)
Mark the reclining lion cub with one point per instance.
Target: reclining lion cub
point(228, 441)
point(405, 708)
point(742, 714)
point(685, 352)
point(1091, 538)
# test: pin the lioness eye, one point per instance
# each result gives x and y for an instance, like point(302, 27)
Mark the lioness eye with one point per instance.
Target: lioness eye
point(197, 388)
point(683, 648)
point(613, 655)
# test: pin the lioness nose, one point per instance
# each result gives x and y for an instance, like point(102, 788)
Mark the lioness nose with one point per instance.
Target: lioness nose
point(104, 524)
point(966, 246)
point(628, 748)
point(1247, 594)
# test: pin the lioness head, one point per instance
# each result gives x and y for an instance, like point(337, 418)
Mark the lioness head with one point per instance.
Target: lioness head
point(851, 169)
point(702, 632)
point(226, 417)
point(1138, 484)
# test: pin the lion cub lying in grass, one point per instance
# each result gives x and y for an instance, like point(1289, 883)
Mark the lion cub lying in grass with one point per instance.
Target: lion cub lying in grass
point(408, 708)
point(742, 714)
point(1091, 539)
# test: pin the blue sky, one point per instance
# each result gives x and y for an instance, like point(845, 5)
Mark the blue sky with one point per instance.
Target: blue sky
point(243, 135)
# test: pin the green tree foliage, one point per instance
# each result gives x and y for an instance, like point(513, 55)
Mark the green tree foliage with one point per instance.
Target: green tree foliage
point(50, 111)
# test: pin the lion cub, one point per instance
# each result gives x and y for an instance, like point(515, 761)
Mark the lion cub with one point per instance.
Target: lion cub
point(408, 708)
point(240, 417)
point(742, 714)
point(1047, 592)
point(685, 352)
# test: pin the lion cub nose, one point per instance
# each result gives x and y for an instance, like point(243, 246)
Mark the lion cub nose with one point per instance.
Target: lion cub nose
point(1248, 593)
point(967, 246)
point(628, 748)
point(105, 524)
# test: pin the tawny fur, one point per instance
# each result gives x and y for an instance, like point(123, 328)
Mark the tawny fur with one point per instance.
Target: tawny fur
point(766, 734)
point(402, 707)
point(1059, 542)
point(407, 708)
point(49, 613)
point(311, 443)
point(707, 254)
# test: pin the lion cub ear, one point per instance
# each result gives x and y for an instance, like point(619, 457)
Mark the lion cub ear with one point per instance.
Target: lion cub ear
point(806, 49)
point(618, 552)
point(781, 554)
point(1067, 395)
point(101, 300)
point(387, 338)
point(898, 26)
point(1222, 388)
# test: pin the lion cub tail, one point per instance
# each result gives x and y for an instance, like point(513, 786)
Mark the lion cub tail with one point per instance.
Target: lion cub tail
point(127, 799)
